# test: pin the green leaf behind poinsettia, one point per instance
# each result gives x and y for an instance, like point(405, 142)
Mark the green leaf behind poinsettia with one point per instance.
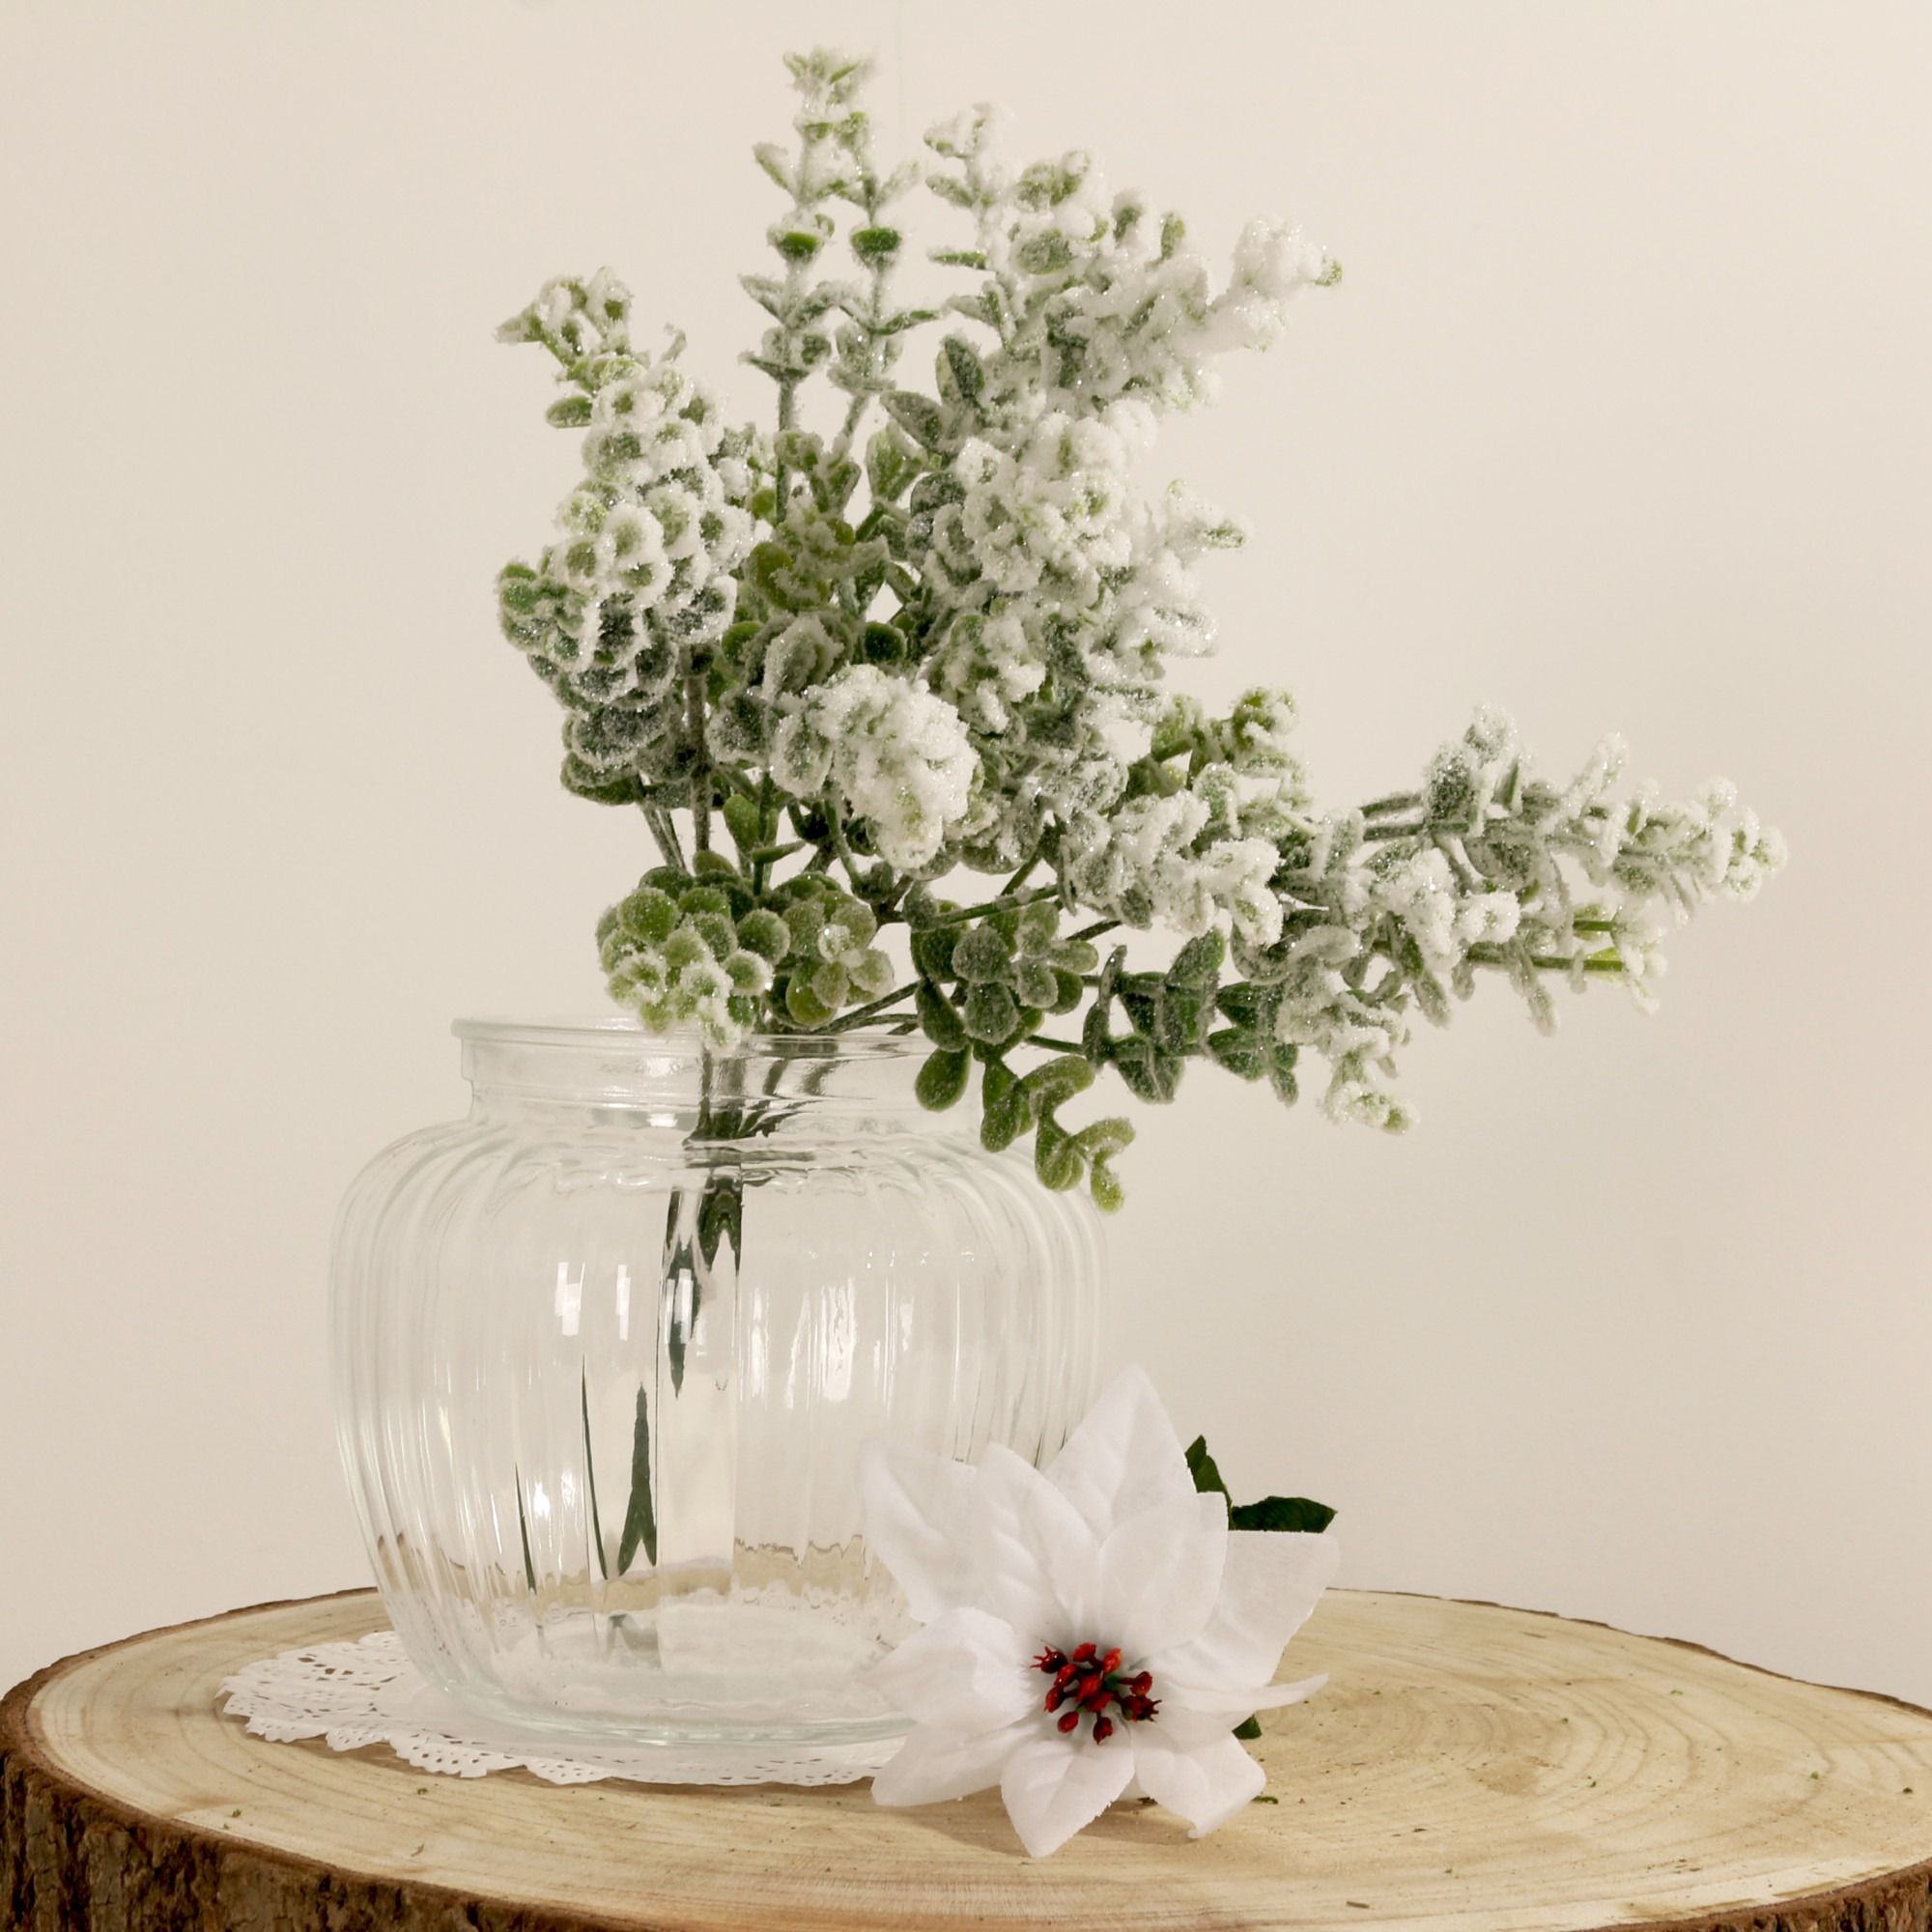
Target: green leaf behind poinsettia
point(1289, 1513)
point(1201, 1466)
point(1284, 1513)
point(1296, 1513)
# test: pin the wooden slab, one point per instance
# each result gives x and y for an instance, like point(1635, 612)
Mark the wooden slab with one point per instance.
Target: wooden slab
point(1469, 1769)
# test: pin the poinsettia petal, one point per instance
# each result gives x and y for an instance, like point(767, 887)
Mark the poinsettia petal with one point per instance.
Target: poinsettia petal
point(1269, 1582)
point(1190, 1715)
point(934, 1765)
point(916, 1508)
point(1033, 1562)
point(1054, 1786)
point(1123, 1458)
point(964, 1671)
point(1160, 1576)
point(1205, 1785)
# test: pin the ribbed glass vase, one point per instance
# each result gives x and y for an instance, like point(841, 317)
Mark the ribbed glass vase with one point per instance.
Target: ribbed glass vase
point(606, 1350)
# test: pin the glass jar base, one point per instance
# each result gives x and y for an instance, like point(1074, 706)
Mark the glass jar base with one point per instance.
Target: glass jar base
point(696, 1674)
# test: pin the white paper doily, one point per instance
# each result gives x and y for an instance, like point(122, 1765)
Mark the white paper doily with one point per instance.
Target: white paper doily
point(368, 1692)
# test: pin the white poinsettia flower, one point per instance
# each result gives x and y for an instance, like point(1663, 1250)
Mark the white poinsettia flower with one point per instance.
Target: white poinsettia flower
point(1086, 1628)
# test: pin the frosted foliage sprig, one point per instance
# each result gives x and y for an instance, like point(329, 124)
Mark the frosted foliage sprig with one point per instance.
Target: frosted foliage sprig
point(841, 659)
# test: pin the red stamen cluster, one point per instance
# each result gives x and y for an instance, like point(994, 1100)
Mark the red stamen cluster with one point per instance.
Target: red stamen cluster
point(1086, 1680)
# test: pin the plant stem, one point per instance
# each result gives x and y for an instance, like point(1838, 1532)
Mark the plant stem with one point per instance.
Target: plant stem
point(1019, 878)
point(859, 1015)
point(663, 830)
point(1001, 905)
point(1545, 963)
point(837, 833)
point(700, 778)
point(766, 856)
point(874, 316)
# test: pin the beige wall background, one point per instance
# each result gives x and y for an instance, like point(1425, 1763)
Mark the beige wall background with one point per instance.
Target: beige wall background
point(1621, 417)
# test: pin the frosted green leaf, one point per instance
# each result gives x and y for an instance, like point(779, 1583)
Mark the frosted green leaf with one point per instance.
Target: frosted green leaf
point(990, 1014)
point(980, 954)
point(941, 1079)
point(1056, 1159)
point(940, 1019)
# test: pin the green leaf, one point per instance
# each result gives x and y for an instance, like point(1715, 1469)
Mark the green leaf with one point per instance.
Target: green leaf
point(990, 1013)
point(919, 908)
point(1104, 1184)
point(1248, 1729)
point(1058, 1081)
point(796, 244)
point(641, 1522)
point(1005, 1119)
point(833, 490)
point(775, 162)
point(568, 413)
point(798, 449)
point(890, 466)
point(943, 1078)
point(1044, 254)
point(1103, 1139)
point(1140, 1000)
point(1093, 1035)
point(873, 245)
point(938, 1017)
point(884, 644)
point(1056, 1158)
point(932, 950)
point(1197, 963)
point(981, 955)
point(960, 367)
point(997, 1082)
point(935, 488)
point(721, 1218)
point(744, 821)
point(1149, 1074)
point(1288, 1512)
point(1240, 1052)
point(1281, 1073)
point(1180, 1020)
point(590, 1475)
point(524, 1528)
point(919, 416)
point(1201, 1467)
point(766, 566)
point(768, 291)
point(1037, 982)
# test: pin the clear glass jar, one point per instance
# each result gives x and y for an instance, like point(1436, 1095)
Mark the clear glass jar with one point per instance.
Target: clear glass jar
point(606, 1350)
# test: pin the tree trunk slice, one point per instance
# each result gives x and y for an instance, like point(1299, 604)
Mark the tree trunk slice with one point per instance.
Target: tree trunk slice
point(1468, 1769)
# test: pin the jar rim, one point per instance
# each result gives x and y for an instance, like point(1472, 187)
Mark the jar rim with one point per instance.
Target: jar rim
point(620, 1031)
